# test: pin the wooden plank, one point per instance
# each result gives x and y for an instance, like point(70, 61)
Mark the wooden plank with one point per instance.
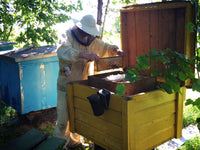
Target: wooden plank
point(83, 92)
point(154, 126)
point(27, 141)
point(51, 143)
point(100, 124)
point(124, 37)
point(153, 113)
point(156, 139)
point(154, 33)
point(151, 99)
point(70, 105)
point(155, 6)
point(171, 28)
point(189, 36)
point(109, 115)
point(124, 125)
point(180, 30)
point(142, 30)
point(131, 126)
point(132, 44)
point(108, 63)
point(179, 112)
point(104, 140)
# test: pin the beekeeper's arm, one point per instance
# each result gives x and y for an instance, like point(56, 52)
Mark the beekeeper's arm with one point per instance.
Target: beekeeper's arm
point(104, 49)
point(67, 53)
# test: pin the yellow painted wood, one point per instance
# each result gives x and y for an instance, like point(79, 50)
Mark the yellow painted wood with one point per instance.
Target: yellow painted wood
point(96, 122)
point(100, 138)
point(179, 112)
point(70, 104)
point(112, 116)
point(140, 128)
point(83, 92)
point(131, 125)
point(156, 139)
point(154, 127)
point(151, 99)
point(124, 126)
point(153, 113)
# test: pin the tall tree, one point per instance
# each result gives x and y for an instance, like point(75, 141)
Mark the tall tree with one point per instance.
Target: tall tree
point(36, 17)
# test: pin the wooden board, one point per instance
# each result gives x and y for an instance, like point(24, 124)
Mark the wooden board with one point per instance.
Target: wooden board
point(156, 26)
point(27, 141)
point(144, 83)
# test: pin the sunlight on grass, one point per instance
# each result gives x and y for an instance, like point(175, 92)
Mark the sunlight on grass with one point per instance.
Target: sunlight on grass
point(190, 114)
point(7, 113)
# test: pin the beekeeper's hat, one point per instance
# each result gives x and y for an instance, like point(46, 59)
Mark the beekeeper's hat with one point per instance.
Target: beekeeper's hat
point(88, 25)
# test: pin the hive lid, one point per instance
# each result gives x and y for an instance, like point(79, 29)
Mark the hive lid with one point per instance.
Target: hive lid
point(157, 26)
point(6, 43)
point(31, 52)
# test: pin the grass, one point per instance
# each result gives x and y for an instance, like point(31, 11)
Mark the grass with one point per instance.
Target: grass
point(190, 114)
point(7, 113)
point(192, 144)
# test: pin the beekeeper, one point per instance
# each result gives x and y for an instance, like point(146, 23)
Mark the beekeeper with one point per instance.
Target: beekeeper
point(78, 46)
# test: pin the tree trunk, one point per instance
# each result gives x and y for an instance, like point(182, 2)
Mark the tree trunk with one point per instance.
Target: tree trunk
point(106, 11)
point(99, 12)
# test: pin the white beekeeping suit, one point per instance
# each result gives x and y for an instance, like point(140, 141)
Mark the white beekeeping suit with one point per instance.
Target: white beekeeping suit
point(78, 47)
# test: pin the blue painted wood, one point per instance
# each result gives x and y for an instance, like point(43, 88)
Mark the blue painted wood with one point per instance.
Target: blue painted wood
point(29, 85)
point(4, 45)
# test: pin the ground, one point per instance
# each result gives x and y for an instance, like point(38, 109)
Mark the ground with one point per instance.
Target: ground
point(43, 120)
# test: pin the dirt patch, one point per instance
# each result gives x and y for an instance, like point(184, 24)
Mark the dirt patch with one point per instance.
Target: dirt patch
point(44, 120)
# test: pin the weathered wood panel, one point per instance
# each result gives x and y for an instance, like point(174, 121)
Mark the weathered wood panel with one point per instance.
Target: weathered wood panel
point(161, 26)
point(104, 126)
point(99, 137)
point(110, 116)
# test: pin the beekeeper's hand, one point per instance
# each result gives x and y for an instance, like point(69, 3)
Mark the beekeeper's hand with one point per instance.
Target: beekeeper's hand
point(119, 52)
point(89, 57)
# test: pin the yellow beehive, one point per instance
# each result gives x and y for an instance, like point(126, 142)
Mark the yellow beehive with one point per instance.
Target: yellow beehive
point(136, 122)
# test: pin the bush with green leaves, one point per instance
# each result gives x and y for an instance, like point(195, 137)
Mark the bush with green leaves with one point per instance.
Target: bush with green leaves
point(30, 22)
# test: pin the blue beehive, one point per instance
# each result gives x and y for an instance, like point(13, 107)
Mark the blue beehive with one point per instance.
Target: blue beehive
point(4, 45)
point(28, 78)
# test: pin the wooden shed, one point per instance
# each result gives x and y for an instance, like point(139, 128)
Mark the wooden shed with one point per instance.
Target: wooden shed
point(147, 119)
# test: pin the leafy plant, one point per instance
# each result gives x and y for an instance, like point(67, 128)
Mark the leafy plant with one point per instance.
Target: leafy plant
point(177, 70)
point(31, 21)
point(191, 144)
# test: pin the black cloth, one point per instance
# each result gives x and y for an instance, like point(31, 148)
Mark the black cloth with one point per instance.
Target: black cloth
point(100, 101)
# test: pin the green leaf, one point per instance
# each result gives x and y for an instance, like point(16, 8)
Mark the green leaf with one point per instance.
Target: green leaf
point(188, 102)
point(120, 89)
point(172, 83)
point(190, 26)
point(143, 62)
point(182, 76)
point(166, 87)
point(196, 85)
point(153, 55)
point(132, 75)
point(197, 103)
point(156, 72)
point(198, 67)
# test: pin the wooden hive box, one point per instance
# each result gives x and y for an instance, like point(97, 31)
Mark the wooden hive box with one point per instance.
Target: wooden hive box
point(135, 122)
point(138, 121)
